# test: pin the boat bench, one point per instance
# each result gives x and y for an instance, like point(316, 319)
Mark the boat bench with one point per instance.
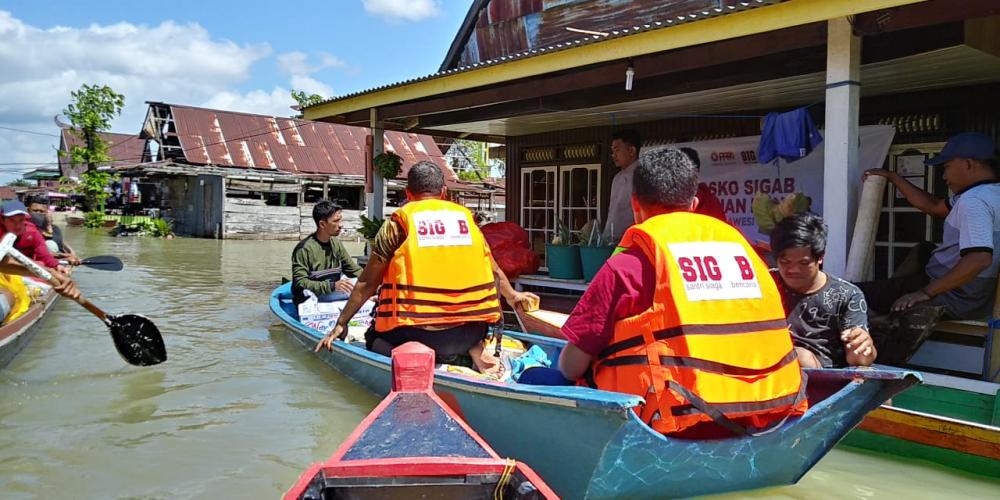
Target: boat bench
point(984, 330)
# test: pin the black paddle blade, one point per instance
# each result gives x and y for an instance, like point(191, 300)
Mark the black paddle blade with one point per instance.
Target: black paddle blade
point(103, 263)
point(137, 339)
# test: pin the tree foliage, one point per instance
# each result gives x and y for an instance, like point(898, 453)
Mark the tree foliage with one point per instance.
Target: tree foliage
point(306, 100)
point(90, 113)
point(471, 161)
point(19, 183)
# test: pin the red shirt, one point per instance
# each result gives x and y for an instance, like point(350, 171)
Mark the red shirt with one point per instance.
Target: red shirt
point(616, 292)
point(32, 244)
point(709, 204)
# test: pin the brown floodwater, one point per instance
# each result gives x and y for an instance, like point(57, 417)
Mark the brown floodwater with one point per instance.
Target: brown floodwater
point(239, 410)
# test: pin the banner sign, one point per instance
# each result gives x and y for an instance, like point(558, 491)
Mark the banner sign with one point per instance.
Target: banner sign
point(730, 169)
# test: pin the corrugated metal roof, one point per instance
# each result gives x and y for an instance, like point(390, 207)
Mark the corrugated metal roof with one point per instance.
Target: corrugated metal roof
point(124, 149)
point(584, 40)
point(231, 139)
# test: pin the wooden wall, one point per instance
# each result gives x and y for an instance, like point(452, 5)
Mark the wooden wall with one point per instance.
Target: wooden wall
point(250, 219)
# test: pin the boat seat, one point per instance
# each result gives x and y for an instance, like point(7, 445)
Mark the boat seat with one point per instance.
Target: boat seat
point(984, 329)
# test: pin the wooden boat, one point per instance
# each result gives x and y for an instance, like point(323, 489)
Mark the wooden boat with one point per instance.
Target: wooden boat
point(16, 334)
point(590, 444)
point(412, 445)
point(950, 421)
point(541, 322)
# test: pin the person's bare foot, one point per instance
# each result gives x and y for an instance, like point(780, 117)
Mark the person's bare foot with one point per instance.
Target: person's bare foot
point(485, 361)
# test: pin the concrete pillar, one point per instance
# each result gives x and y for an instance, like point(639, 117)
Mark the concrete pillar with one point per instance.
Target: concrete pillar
point(841, 172)
point(376, 203)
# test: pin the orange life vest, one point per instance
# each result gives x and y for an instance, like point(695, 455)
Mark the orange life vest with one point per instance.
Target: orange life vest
point(715, 344)
point(442, 273)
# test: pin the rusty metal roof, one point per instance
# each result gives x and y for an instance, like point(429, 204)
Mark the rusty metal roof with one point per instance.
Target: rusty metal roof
point(232, 139)
point(125, 149)
point(721, 10)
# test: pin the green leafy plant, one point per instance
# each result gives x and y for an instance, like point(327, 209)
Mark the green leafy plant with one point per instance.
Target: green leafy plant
point(563, 235)
point(91, 112)
point(92, 183)
point(591, 234)
point(388, 164)
point(370, 227)
point(161, 228)
point(93, 219)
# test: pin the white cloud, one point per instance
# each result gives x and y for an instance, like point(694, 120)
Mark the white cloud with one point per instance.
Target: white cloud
point(311, 86)
point(169, 62)
point(406, 10)
point(297, 63)
point(277, 102)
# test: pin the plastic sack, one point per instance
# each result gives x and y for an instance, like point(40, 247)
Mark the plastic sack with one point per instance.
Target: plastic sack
point(501, 235)
point(323, 316)
point(515, 261)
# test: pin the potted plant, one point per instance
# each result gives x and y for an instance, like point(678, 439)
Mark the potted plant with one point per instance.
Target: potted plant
point(594, 250)
point(388, 165)
point(563, 257)
point(369, 228)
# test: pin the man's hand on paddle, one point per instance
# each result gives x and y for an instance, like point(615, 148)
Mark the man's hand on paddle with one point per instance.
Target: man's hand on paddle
point(64, 286)
point(327, 342)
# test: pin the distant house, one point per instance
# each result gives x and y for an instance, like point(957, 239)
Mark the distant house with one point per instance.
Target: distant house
point(236, 175)
point(7, 193)
point(124, 149)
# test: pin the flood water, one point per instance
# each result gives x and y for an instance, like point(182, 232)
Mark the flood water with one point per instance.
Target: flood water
point(239, 410)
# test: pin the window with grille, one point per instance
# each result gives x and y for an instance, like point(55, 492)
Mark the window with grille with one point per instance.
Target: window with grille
point(901, 225)
point(567, 192)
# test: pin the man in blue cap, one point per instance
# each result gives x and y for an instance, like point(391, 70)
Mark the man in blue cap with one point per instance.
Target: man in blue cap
point(30, 241)
point(960, 274)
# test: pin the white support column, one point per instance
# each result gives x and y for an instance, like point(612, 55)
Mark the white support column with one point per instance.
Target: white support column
point(841, 172)
point(376, 205)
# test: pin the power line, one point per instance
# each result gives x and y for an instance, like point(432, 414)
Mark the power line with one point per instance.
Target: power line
point(28, 131)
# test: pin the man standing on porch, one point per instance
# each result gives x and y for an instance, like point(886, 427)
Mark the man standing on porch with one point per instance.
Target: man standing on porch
point(625, 145)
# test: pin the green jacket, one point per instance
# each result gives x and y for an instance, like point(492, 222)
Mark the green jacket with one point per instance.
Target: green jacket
point(310, 255)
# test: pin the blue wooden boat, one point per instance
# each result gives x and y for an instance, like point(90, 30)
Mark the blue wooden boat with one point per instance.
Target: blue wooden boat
point(412, 445)
point(589, 444)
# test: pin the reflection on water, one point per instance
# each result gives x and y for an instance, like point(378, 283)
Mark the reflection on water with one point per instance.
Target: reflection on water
point(239, 409)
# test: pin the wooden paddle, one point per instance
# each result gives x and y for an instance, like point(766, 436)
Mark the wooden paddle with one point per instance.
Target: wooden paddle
point(101, 263)
point(136, 338)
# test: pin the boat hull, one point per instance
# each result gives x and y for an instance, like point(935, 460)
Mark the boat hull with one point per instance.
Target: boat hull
point(589, 444)
point(949, 421)
point(18, 333)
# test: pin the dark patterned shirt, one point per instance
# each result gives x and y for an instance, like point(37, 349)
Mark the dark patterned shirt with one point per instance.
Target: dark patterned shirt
point(817, 319)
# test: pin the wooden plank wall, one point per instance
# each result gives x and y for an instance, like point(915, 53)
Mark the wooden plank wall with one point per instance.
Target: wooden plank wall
point(249, 219)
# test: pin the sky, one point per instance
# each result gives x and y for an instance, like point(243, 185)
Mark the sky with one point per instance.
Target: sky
point(222, 54)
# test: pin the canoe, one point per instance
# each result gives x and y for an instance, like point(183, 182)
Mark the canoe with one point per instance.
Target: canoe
point(951, 421)
point(588, 443)
point(412, 445)
point(16, 334)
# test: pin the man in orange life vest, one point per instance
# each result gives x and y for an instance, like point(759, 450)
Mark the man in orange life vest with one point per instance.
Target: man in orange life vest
point(439, 282)
point(687, 316)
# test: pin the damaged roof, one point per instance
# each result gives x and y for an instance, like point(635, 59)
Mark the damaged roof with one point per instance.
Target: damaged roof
point(296, 146)
point(124, 149)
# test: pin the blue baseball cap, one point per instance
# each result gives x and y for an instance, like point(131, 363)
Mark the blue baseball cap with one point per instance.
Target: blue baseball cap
point(14, 207)
point(970, 145)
